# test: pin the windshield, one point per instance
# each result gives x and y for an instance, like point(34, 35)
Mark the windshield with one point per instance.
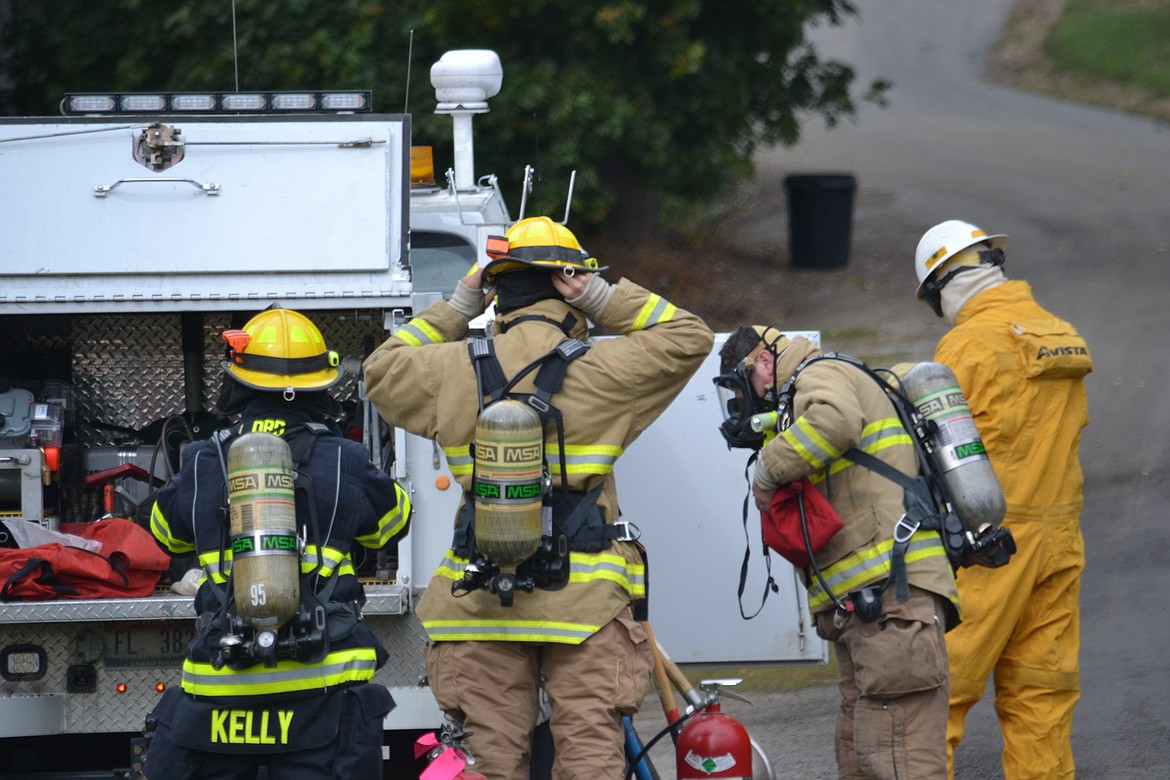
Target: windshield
point(438, 261)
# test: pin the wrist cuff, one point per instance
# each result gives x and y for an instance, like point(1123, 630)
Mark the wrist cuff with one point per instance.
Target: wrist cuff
point(595, 297)
point(466, 301)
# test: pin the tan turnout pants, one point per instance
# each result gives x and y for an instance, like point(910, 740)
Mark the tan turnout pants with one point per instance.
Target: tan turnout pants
point(494, 687)
point(892, 675)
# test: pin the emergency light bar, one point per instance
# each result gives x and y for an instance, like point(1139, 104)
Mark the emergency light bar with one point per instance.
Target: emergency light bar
point(350, 101)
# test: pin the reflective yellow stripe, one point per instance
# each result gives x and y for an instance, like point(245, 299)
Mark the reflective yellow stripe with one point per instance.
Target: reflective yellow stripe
point(459, 460)
point(583, 568)
point(880, 430)
point(875, 437)
point(333, 561)
point(591, 567)
point(418, 332)
point(809, 444)
point(341, 666)
point(509, 631)
point(161, 530)
point(583, 458)
point(868, 565)
point(656, 309)
point(391, 523)
point(579, 458)
point(215, 566)
point(451, 566)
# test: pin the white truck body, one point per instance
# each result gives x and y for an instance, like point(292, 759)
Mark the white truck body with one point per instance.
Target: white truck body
point(115, 283)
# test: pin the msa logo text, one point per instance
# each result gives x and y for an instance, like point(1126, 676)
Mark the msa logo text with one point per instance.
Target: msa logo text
point(970, 450)
point(510, 453)
point(267, 543)
point(256, 480)
point(940, 403)
point(509, 492)
point(523, 453)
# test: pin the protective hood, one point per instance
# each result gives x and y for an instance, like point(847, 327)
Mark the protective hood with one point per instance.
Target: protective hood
point(518, 289)
point(965, 286)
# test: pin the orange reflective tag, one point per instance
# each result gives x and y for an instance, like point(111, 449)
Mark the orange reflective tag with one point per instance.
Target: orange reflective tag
point(238, 340)
point(497, 247)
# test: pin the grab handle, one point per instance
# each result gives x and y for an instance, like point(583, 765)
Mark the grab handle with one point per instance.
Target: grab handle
point(102, 190)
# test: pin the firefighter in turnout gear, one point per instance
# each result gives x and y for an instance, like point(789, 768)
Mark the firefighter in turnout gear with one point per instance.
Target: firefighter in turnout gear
point(296, 699)
point(1022, 370)
point(884, 605)
point(574, 631)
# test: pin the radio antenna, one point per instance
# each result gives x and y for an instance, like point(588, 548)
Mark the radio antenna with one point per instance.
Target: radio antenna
point(235, 47)
point(409, 59)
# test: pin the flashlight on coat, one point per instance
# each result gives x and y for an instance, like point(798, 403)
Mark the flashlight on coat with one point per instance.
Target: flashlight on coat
point(764, 423)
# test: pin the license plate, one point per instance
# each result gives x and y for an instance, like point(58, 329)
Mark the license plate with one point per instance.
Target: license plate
point(153, 645)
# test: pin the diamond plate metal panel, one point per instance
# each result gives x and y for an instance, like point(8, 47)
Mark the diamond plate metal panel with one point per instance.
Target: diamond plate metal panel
point(386, 600)
point(127, 373)
point(159, 607)
point(104, 710)
point(404, 639)
point(108, 710)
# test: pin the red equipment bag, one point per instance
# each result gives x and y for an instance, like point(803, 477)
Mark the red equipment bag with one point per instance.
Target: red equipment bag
point(782, 527)
point(129, 565)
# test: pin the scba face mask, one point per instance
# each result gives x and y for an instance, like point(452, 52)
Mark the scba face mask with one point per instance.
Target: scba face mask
point(739, 404)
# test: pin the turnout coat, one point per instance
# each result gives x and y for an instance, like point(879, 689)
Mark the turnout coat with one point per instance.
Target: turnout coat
point(837, 407)
point(422, 379)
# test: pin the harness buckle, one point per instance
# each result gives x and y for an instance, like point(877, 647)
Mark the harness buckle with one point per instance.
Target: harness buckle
point(628, 531)
point(905, 529)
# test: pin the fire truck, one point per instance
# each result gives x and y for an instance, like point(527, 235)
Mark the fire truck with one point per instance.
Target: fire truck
point(136, 229)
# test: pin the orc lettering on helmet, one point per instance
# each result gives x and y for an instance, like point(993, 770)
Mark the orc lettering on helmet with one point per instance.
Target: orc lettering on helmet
point(538, 242)
point(281, 350)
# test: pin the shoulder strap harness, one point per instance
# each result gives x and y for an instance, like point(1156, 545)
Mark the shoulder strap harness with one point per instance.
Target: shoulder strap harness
point(925, 493)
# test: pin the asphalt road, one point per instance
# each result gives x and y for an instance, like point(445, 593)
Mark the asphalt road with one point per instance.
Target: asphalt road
point(1083, 193)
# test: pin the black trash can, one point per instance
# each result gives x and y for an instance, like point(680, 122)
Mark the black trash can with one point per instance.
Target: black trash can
point(820, 219)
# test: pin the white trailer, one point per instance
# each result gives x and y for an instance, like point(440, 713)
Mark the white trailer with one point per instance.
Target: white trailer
point(131, 241)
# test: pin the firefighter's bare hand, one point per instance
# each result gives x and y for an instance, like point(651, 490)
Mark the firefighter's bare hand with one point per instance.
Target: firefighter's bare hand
point(571, 287)
point(762, 497)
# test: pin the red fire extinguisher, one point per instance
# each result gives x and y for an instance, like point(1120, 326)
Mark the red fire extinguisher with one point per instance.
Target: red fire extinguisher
point(712, 743)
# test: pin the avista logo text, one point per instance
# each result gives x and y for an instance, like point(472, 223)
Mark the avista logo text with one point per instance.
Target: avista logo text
point(1057, 351)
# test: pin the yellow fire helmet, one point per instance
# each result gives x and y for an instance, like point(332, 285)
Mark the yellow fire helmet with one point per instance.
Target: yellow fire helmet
point(538, 242)
point(280, 349)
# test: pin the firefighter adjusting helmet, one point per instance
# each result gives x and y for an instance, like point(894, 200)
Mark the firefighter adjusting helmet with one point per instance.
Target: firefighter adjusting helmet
point(538, 242)
point(280, 349)
point(944, 241)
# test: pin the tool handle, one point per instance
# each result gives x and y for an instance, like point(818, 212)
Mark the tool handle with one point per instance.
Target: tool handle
point(685, 686)
point(665, 691)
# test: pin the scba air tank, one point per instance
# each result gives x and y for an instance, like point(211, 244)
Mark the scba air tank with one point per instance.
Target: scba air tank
point(509, 465)
point(265, 556)
point(958, 452)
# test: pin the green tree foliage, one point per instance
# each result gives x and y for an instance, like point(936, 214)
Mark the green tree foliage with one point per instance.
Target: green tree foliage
point(656, 105)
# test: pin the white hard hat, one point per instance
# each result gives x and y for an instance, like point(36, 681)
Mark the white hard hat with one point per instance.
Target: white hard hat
point(944, 241)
